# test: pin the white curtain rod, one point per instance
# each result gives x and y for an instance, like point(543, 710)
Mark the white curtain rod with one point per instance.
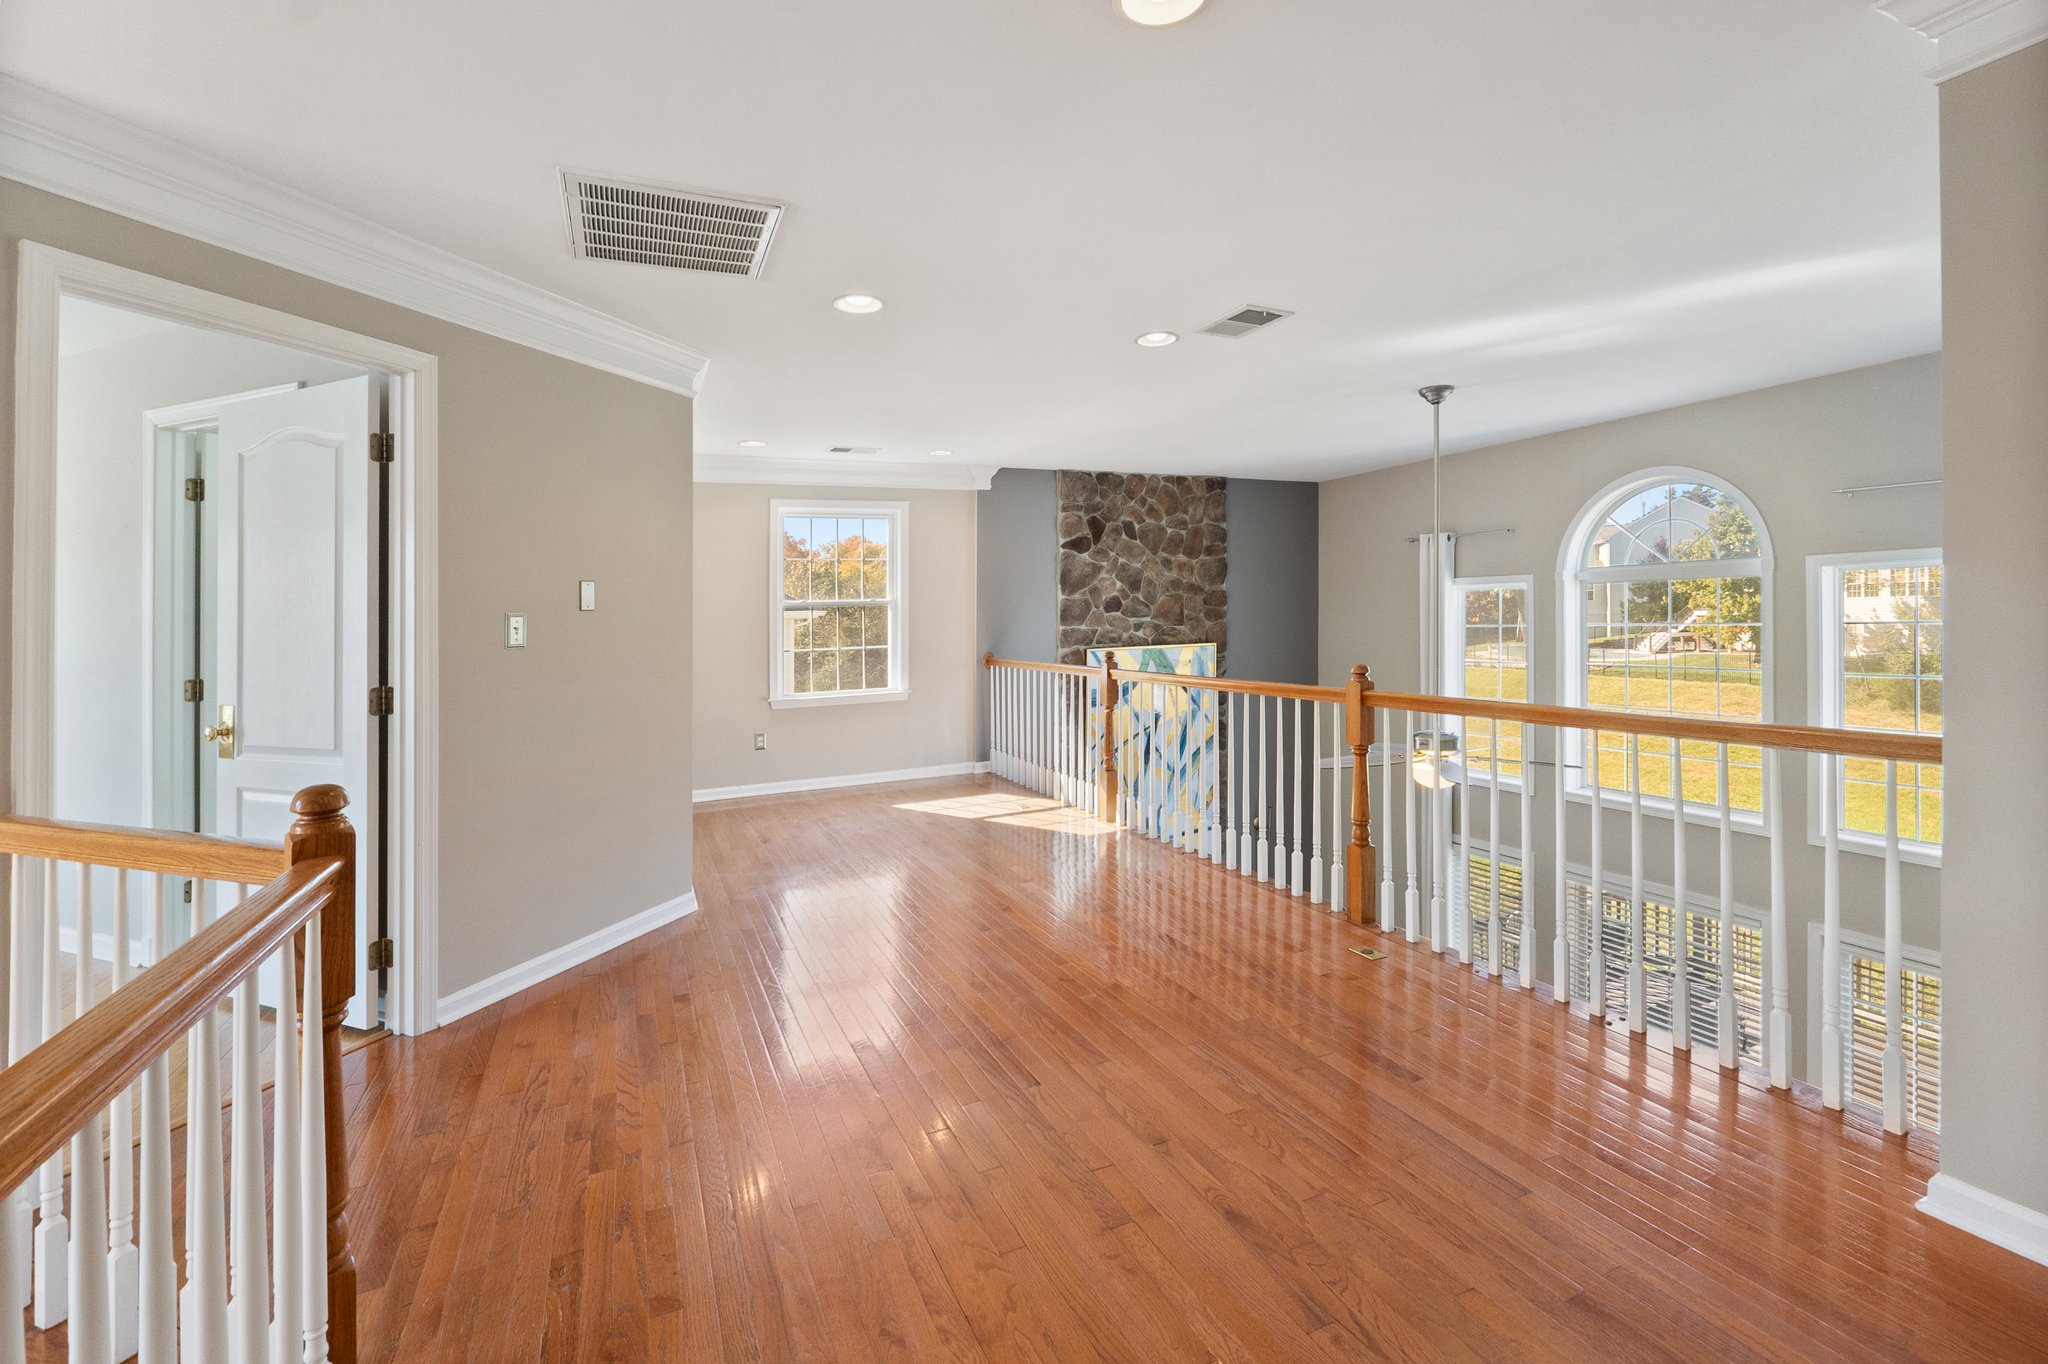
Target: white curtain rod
point(1468, 534)
point(1887, 487)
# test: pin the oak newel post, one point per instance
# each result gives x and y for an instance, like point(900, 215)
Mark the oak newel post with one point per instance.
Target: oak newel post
point(1105, 802)
point(322, 831)
point(1360, 875)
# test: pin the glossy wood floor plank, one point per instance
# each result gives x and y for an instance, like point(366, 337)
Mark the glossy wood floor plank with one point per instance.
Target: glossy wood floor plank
point(940, 1072)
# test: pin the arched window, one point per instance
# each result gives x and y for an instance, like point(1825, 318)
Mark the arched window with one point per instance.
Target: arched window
point(1670, 572)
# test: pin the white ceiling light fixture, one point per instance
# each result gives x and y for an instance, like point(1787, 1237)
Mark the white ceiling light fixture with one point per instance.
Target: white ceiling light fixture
point(857, 303)
point(1158, 13)
point(1153, 340)
point(939, 454)
point(752, 444)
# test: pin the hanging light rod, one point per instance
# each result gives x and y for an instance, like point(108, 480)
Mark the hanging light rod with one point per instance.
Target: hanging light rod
point(1468, 534)
point(1887, 487)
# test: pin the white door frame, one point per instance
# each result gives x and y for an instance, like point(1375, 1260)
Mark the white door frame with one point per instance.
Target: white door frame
point(47, 274)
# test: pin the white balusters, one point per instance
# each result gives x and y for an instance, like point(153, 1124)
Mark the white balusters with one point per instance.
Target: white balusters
point(312, 1163)
point(122, 1265)
point(53, 1233)
point(1279, 807)
point(1458, 859)
point(1894, 1060)
point(1247, 836)
point(1439, 860)
point(1526, 974)
point(1831, 932)
point(1638, 977)
point(1316, 868)
point(1231, 738)
point(1297, 866)
point(1265, 809)
point(24, 1026)
point(1560, 947)
point(1681, 988)
point(1778, 1028)
point(287, 1324)
point(1383, 833)
point(249, 1266)
point(1596, 908)
point(157, 1308)
point(89, 1313)
point(1493, 949)
point(1413, 905)
point(203, 1304)
point(1724, 1002)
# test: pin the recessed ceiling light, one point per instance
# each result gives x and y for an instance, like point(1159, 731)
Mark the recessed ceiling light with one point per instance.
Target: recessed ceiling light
point(752, 444)
point(1157, 13)
point(857, 303)
point(939, 454)
point(1158, 338)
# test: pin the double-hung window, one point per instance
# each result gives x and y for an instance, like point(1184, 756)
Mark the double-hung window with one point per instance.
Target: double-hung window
point(1878, 665)
point(1488, 637)
point(836, 602)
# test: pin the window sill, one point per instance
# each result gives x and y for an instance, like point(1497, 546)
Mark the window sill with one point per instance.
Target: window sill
point(1659, 807)
point(843, 698)
point(1864, 845)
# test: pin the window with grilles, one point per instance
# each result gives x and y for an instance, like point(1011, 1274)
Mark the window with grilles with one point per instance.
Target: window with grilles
point(1478, 907)
point(1662, 959)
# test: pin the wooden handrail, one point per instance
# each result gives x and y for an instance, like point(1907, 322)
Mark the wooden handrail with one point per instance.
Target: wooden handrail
point(58, 1087)
point(1065, 669)
point(1854, 743)
point(1289, 690)
point(203, 857)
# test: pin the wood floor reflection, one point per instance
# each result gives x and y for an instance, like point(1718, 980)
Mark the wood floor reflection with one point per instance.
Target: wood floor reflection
point(940, 1072)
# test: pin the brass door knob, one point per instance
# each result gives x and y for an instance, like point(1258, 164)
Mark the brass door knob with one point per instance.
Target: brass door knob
point(222, 735)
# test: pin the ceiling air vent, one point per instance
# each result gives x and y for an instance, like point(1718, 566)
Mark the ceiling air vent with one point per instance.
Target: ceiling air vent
point(1245, 321)
point(682, 229)
point(854, 450)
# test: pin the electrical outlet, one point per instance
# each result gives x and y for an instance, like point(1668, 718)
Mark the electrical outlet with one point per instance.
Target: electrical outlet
point(760, 743)
point(515, 631)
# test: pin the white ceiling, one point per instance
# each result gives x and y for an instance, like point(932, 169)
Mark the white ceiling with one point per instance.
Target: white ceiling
point(1573, 210)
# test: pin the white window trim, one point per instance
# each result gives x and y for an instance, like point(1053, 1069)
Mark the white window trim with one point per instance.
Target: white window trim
point(1571, 625)
point(899, 618)
point(1454, 658)
point(1823, 665)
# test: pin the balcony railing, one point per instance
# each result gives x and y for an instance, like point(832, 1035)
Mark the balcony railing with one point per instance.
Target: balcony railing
point(1277, 782)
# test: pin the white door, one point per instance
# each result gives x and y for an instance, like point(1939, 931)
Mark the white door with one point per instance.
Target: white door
point(290, 495)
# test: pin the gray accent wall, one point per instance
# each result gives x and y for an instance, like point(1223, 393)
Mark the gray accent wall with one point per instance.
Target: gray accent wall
point(1274, 586)
point(1017, 587)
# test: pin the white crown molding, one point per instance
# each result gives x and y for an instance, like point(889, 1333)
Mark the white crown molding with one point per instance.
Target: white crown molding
point(835, 473)
point(56, 144)
point(1968, 34)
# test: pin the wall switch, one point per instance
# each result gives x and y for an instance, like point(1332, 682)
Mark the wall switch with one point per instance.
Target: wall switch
point(515, 631)
point(587, 601)
point(760, 743)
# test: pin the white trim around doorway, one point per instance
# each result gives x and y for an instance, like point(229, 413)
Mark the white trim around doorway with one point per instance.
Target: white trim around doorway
point(47, 274)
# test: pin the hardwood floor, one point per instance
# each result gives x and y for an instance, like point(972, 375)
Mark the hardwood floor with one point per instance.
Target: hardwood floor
point(937, 1073)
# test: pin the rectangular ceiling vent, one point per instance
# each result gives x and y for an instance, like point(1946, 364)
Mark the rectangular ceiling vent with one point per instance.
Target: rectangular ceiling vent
point(1245, 321)
point(855, 450)
point(682, 229)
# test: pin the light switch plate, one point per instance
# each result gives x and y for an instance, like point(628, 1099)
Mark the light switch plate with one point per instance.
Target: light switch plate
point(588, 600)
point(515, 631)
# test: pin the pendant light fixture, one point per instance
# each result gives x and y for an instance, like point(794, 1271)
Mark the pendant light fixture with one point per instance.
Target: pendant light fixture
point(1158, 13)
point(1433, 761)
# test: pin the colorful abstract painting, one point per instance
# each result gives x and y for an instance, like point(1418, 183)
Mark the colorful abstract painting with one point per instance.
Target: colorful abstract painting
point(1166, 737)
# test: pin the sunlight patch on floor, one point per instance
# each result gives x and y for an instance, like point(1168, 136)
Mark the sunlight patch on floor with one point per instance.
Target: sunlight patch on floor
point(1027, 812)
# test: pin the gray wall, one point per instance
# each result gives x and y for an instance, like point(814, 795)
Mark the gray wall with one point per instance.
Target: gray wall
point(1017, 553)
point(1787, 449)
point(1274, 588)
point(565, 786)
point(1994, 200)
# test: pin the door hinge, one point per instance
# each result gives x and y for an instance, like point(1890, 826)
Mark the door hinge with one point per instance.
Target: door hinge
point(383, 447)
point(380, 955)
point(195, 490)
point(382, 700)
point(195, 689)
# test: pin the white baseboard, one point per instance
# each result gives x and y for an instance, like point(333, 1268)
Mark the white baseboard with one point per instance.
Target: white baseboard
point(780, 788)
point(510, 982)
point(2020, 1229)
